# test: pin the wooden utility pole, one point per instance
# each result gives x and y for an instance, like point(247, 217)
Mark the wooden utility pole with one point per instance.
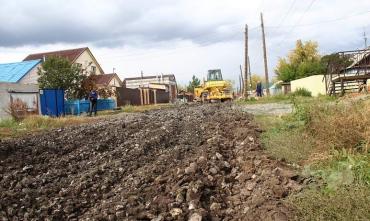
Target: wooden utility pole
point(246, 64)
point(249, 72)
point(241, 82)
point(265, 56)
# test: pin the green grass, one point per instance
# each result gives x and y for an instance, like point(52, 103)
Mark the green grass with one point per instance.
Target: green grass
point(347, 203)
point(10, 128)
point(135, 109)
point(330, 141)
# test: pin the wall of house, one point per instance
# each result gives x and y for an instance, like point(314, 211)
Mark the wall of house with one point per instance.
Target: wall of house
point(314, 83)
point(31, 77)
point(84, 59)
point(136, 83)
point(28, 93)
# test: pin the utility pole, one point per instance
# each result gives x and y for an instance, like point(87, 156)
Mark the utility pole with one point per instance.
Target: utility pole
point(240, 85)
point(242, 81)
point(365, 39)
point(250, 73)
point(246, 64)
point(265, 56)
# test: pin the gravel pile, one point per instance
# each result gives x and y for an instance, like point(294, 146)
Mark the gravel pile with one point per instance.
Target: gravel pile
point(201, 162)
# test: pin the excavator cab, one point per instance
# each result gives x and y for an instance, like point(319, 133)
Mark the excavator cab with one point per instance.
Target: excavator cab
point(214, 75)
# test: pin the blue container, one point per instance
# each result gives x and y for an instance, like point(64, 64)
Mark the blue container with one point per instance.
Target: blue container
point(52, 102)
point(76, 107)
point(72, 107)
point(84, 106)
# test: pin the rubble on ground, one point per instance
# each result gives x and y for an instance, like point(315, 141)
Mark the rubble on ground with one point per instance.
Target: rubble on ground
point(200, 162)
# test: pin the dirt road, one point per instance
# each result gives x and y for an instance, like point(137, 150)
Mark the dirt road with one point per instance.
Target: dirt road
point(187, 163)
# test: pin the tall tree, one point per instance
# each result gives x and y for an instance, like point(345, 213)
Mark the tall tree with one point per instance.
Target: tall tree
point(195, 82)
point(303, 61)
point(58, 72)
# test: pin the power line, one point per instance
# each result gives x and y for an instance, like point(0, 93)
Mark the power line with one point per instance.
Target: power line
point(297, 23)
point(285, 16)
point(175, 49)
point(321, 22)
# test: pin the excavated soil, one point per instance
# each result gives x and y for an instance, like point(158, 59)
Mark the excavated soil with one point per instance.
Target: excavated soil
point(201, 162)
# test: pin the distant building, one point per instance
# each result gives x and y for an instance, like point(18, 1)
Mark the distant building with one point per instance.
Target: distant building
point(24, 72)
point(81, 57)
point(166, 82)
point(111, 81)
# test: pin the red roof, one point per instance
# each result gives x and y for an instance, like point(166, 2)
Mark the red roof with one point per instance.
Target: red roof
point(104, 79)
point(71, 54)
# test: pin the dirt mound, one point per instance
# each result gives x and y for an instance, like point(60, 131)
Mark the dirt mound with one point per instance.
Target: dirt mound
point(188, 163)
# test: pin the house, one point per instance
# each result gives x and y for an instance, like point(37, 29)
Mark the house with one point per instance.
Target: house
point(340, 79)
point(81, 57)
point(108, 80)
point(152, 82)
point(24, 72)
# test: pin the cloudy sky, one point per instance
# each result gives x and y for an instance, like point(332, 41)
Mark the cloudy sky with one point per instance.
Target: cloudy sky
point(183, 37)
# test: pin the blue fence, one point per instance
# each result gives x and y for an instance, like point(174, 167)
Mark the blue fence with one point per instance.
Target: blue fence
point(52, 102)
point(76, 107)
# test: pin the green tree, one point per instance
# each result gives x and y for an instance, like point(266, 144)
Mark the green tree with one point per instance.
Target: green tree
point(303, 61)
point(195, 82)
point(58, 72)
point(335, 62)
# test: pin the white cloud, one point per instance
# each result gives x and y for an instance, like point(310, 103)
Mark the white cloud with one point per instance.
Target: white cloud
point(183, 37)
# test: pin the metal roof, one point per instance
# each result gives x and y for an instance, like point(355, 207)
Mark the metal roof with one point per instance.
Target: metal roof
point(13, 72)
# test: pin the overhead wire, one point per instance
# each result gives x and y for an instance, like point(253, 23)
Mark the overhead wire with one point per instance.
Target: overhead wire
point(295, 25)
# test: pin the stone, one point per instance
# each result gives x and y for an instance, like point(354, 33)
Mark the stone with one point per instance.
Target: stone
point(192, 205)
point(120, 207)
point(158, 218)
point(251, 185)
point(219, 156)
point(195, 217)
point(215, 206)
point(202, 159)
point(175, 212)
point(28, 167)
point(192, 168)
point(213, 170)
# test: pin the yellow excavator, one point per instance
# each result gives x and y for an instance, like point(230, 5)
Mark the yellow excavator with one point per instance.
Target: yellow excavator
point(215, 89)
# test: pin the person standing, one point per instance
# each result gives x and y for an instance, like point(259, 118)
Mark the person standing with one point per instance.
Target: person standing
point(93, 97)
point(259, 89)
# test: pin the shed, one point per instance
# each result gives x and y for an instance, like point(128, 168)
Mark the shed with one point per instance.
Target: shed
point(19, 72)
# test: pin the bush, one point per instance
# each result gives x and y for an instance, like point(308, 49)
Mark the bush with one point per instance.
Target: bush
point(303, 92)
point(17, 109)
point(341, 126)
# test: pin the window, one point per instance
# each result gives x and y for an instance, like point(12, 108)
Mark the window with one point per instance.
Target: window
point(93, 69)
point(78, 65)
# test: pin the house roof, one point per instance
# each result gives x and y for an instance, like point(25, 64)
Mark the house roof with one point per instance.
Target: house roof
point(149, 77)
point(13, 72)
point(104, 79)
point(71, 54)
point(357, 58)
